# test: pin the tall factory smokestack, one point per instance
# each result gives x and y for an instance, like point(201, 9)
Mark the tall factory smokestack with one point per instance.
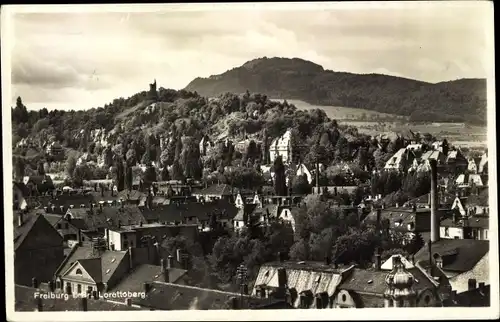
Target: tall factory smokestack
point(434, 202)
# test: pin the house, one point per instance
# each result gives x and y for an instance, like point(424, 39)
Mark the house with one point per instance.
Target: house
point(400, 161)
point(37, 185)
point(285, 213)
point(72, 230)
point(205, 145)
point(472, 166)
point(302, 170)
point(372, 288)
point(475, 296)
point(168, 296)
point(19, 193)
point(57, 301)
point(242, 146)
point(282, 146)
point(147, 273)
point(214, 192)
point(433, 155)
point(483, 164)
point(55, 149)
point(198, 213)
point(468, 227)
point(92, 267)
point(123, 237)
point(408, 221)
point(38, 248)
point(456, 161)
point(467, 180)
point(459, 259)
point(445, 200)
point(469, 206)
point(306, 284)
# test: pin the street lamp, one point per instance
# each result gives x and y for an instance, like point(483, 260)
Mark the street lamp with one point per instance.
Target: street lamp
point(241, 273)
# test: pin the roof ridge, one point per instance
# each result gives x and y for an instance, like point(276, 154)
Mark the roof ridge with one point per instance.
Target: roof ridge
point(200, 288)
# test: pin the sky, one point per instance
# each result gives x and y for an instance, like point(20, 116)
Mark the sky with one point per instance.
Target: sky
point(84, 59)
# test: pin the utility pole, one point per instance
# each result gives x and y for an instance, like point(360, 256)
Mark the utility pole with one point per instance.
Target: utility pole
point(241, 273)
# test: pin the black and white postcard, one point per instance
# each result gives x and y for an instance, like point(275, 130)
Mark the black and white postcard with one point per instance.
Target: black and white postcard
point(250, 161)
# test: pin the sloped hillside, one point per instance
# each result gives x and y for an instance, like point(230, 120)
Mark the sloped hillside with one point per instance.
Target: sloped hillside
point(462, 100)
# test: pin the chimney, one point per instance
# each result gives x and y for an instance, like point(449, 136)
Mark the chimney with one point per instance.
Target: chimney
point(397, 204)
point(91, 206)
point(383, 205)
point(328, 260)
point(84, 304)
point(431, 264)
point(170, 261)
point(68, 288)
point(130, 256)
point(119, 224)
point(128, 302)
point(147, 287)
point(434, 203)
point(414, 207)
point(39, 304)
point(282, 281)
point(34, 282)
point(472, 284)
point(79, 236)
point(51, 286)
point(20, 219)
point(378, 260)
point(157, 252)
point(234, 303)
point(46, 209)
point(164, 271)
point(140, 223)
point(379, 215)
point(317, 178)
point(100, 205)
point(178, 254)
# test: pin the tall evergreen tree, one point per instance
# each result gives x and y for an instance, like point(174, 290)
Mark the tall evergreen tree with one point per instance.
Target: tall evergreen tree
point(279, 177)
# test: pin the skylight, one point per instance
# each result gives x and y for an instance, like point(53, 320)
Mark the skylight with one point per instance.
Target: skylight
point(108, 270)
point(113, 260)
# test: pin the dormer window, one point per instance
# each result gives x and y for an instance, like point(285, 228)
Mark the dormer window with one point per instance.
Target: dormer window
point(78, 272)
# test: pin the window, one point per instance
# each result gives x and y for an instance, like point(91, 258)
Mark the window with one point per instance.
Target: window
point(78, 288)
point(344, 298)
point(485, 234)
point(78, 271)
point(446, 232)
point(58, 226)
point(125, 245)
point(66, 225)
point(125, 237)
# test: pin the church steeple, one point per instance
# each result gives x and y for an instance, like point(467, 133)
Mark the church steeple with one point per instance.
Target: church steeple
point(399, 292)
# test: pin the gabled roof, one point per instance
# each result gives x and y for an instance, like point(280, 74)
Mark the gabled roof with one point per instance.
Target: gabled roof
point(21, 232)
point(109, 261)
point(363, 280)
point(134, 281)
point(203, 211)
point(168, 296)
point(91, 265)
point(459, 255)
point(474, 222)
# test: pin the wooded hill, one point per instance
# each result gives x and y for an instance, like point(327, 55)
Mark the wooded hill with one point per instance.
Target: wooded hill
point(462, 100)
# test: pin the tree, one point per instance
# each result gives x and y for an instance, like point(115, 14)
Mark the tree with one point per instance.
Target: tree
point(177, 171)
point(70, 166)
point(81, 172)
point(149, 176)
point(279, 177)
point(131, 157)
point(120, 174)
point(40, 169)
point(19, 167)
point(164, 174)
point(301, 186)
point(129, 177)
point(300, 250)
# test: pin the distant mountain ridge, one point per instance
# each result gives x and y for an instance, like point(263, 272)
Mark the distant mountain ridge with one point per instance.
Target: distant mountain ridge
point(462, 100)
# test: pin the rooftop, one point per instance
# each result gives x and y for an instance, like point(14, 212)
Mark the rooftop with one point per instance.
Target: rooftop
point(134, 281)
point(459, 255)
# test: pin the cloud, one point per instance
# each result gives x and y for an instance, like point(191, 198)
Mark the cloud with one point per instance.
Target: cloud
point(58, 57)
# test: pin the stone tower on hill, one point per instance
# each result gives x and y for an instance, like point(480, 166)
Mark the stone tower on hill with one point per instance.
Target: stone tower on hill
point(153, 94)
